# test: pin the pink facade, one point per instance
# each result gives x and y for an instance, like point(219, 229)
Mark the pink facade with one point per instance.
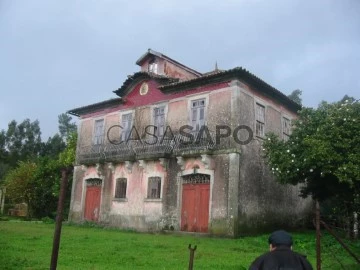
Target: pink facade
point(162, 186)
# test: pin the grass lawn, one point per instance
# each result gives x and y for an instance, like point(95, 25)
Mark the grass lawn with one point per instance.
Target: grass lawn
point(27, 245)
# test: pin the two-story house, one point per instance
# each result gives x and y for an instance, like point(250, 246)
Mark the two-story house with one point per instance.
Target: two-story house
point(181, 150)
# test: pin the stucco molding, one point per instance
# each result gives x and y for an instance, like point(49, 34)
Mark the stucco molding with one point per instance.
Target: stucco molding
point(142, 164)
point(111, 167)
point(164, 162)
point(206, 160)
point(181, 162)
point(98, 169)
point(129, 165)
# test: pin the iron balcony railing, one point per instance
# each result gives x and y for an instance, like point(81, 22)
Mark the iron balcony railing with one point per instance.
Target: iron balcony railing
point(147, 148)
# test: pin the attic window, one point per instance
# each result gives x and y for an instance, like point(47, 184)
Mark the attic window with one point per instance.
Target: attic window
point(153, 66)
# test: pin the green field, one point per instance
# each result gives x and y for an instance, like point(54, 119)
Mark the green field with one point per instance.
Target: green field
point(27, 245)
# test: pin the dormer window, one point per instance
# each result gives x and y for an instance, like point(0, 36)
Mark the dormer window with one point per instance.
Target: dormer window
point(153, 66)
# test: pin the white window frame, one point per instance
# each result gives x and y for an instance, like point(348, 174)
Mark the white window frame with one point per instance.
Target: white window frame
point(197, 125)
point(153, 66)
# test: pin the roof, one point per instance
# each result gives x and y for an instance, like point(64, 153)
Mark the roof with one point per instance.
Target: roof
point(160, 55)
point(139, 76)
point(95, 107)
point(235, 73)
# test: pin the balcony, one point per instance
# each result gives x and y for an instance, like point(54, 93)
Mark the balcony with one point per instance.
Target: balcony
point(200, 143)
point(153, 148)
point(179, 145)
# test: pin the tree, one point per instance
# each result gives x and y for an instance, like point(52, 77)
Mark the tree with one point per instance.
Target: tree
point(296, 96)
point(66, 127)
point(22, 141)
point(68, 155)
point(53, 147)
point(19, 184)
point(322, 153)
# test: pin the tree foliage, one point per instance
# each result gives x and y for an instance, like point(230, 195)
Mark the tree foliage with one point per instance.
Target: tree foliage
point(296, 96)
point(22, 141)
point(323, 151)
point(19, 183)
point(31, 168)
point(66, 127)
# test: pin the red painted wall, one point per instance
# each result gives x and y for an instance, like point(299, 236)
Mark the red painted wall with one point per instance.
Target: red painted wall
point(134, 99)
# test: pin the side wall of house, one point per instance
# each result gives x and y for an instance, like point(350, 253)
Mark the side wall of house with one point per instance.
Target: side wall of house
point(263, 203)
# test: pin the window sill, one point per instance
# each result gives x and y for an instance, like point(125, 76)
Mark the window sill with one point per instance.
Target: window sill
point(120, 199)
point(260, 137)
point(152, 200)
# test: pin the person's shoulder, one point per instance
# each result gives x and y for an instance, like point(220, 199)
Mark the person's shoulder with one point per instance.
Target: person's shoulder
point(259, 261)
point(303, 258)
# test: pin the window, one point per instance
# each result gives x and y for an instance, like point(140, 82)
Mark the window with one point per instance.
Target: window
point(159, 120)
point(260, 120)
point(154, 187)
point(197, 114)
point(120, 189)
point(286, 128)
point(98, 132)
point(153, 66)
point(126, 123)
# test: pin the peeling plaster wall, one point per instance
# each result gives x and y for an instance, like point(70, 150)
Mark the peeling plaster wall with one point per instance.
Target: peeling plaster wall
point(244, 196)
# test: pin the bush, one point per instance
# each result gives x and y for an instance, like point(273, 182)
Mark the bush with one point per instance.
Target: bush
point(47, 220)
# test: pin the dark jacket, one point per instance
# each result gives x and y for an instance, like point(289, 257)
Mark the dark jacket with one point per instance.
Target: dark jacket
point(282, 258)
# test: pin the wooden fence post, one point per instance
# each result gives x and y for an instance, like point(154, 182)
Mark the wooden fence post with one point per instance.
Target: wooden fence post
point(59, 217)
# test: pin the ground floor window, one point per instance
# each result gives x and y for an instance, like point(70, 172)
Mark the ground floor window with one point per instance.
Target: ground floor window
point(120, 189)
point(154, 187)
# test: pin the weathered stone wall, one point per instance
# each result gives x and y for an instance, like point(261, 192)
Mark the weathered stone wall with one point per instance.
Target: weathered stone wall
point(264, 204)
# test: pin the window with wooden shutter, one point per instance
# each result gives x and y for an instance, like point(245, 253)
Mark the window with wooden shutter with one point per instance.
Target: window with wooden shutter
point(260, 120)
point(126, 123)
point(154, 187)
point(286, 128)
point(120, 189)
point(197, 114)
point(159, 120)
point(98, 132)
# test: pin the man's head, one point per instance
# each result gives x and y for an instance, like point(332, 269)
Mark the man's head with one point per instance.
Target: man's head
point(280, 238)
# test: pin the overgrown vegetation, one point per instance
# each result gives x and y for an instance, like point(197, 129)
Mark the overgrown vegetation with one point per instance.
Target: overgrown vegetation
point(30, 168)
point(25, 245)
point(323, 154)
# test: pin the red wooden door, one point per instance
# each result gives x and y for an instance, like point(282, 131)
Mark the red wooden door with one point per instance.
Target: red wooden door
point(195, 207)
point(92, 203)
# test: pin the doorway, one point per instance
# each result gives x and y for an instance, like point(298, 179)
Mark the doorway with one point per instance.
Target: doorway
point(195, 203)
point(92, 199)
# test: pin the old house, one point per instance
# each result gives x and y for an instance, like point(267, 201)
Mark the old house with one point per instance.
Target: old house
point(180, 150)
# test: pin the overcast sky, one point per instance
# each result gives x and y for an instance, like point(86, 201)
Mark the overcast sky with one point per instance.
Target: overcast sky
point(59, 55)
